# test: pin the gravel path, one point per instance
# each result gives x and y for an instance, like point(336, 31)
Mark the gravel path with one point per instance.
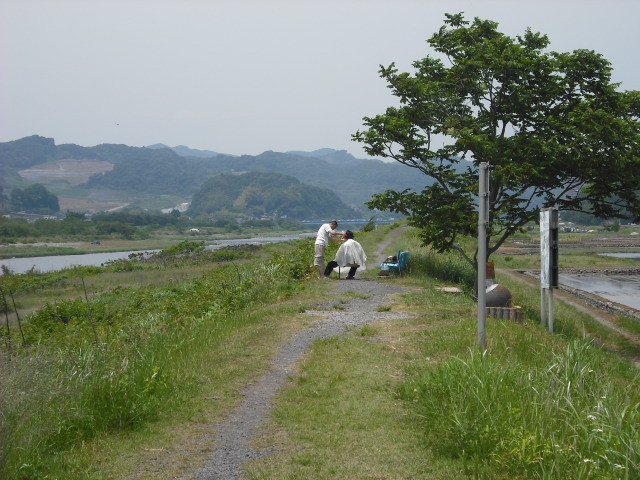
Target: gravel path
point(234, 435)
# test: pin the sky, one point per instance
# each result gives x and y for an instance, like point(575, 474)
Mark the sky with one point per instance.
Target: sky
point(246, 76)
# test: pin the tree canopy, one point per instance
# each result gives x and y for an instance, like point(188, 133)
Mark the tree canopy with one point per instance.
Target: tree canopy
point(254, 194)
point(34, 198)
point(554, 129)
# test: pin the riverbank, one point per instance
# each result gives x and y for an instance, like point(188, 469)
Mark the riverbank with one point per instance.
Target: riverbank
point(41, 249)
point(347, 407)
point(108, 245)
point(48, 263)
point(44, 249)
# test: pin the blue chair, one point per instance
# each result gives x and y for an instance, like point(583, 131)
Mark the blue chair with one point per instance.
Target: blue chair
point(401, 266)
point(403, 262)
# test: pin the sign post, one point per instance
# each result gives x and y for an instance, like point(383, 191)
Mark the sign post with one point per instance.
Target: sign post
point(548, 261)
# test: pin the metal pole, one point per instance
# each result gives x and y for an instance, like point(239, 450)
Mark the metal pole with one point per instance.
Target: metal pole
point(543, 307)
point(553, 260)
point(483, 220)
point(551, 310)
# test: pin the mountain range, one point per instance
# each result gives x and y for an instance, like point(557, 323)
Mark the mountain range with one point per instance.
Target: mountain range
point(109, 175)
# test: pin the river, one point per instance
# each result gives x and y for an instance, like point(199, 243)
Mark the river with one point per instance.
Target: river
point(620, 289)
point(58, 262)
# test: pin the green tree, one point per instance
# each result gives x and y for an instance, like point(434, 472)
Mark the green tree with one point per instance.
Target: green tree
point(75, 224)
point(256, 193)
point(34, 198)
point(4, 201)
point(553, 128)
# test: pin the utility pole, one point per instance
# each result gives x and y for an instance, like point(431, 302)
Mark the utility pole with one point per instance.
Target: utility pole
point(483, 222)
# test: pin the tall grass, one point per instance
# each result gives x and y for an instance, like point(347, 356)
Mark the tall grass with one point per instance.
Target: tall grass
point(569, 321)
point(558, 418)
point(532, 405)
point(65, 388)
point(446, 267)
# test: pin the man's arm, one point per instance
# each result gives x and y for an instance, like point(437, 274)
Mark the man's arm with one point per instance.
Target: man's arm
point(334, 232)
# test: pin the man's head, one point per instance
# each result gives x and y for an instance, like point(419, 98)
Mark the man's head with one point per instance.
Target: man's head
point(333, 224)
point(348, 234)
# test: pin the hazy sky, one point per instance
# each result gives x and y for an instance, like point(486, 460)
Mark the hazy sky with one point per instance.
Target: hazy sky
point(243, 76)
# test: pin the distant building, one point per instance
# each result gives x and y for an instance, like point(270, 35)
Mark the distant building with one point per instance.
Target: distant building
point(31, 217)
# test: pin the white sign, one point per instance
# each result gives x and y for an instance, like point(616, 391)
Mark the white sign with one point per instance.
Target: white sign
point(548, 247)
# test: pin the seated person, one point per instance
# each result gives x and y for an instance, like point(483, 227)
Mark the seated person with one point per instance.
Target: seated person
point(350, 254)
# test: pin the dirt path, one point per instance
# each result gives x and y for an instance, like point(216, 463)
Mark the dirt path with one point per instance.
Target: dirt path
point(234, 434)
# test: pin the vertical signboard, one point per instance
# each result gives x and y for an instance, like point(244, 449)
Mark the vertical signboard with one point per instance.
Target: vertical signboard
point(549, 248)
point(548, 260)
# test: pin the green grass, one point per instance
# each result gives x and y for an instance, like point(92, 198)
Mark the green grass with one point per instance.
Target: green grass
point(533, 405)
point(342, 419)
point(352, 294)
point(122, 361)
point(568, 259)
point(409, 398)
point(570, 321)
point(33, 290)
point(631, 324)
point(545, 414)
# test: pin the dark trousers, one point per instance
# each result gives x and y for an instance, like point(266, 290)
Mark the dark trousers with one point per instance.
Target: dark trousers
point(333, 264)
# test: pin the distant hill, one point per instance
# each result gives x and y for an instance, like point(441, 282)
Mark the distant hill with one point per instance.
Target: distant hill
point(255, 193)
point(130, 173)
point(34, 150)
point(185, 151)
point(354, 180)
point(328, 154)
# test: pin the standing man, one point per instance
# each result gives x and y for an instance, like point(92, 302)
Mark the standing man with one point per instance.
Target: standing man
point(322, 240)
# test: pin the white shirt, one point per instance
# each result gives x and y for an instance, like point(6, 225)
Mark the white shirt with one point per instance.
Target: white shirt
point(351, 253)
point(323, 235)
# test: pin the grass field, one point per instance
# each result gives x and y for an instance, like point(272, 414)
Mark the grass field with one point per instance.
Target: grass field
point(417, 398)
point(412, 398)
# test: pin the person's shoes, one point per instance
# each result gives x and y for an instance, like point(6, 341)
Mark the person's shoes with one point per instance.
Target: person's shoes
point(349, 278)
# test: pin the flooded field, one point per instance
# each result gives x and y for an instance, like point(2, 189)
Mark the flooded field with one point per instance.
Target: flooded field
point(622, 289)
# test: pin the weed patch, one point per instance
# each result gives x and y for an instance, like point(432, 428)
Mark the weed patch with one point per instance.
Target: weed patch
point(556, 414)
point(112, 363)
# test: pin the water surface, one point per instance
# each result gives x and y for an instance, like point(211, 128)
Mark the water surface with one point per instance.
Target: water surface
point(623, 289)
point(631, 256)
point(58, 262)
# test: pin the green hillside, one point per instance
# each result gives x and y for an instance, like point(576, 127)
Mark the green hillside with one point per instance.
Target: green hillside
point(254, 194)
